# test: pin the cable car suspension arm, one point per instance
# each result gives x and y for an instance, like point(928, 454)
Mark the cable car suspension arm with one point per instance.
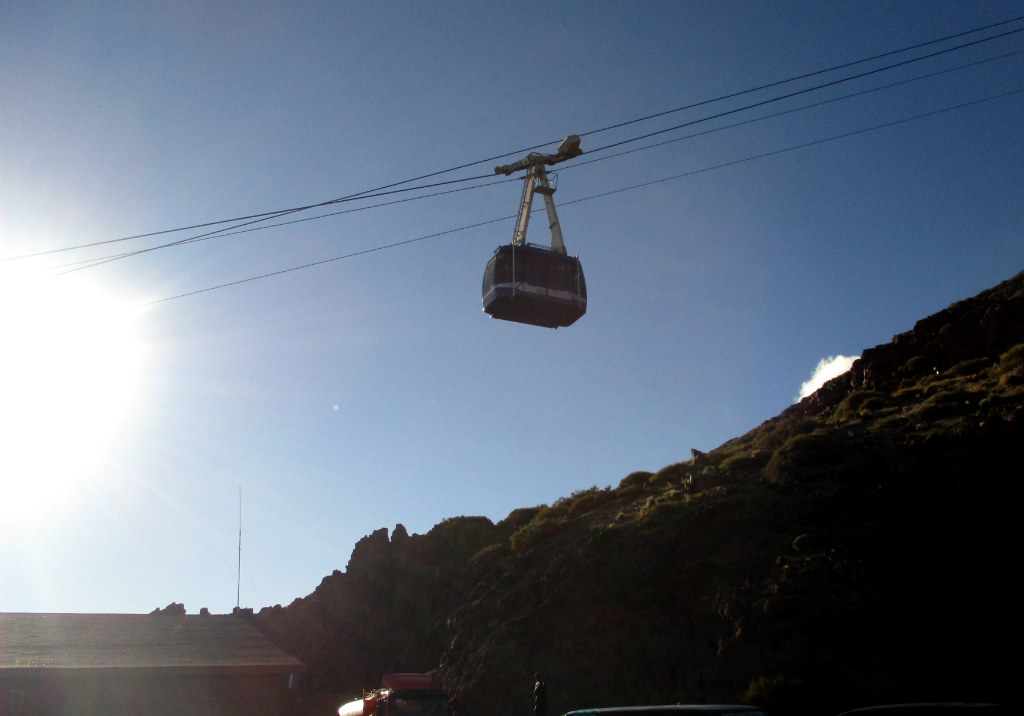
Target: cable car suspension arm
point(536, 182)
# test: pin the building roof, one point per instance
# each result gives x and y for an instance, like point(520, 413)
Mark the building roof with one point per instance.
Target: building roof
point(137, 641)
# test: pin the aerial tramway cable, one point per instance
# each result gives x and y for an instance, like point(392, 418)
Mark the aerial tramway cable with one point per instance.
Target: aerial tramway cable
point(600, 195)
point(232, 231)
point(382, 190)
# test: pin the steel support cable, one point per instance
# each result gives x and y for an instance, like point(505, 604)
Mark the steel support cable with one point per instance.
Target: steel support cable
point(576, 165)
point(230, 231)
point(370, 192)
point(264, 216)
point(803, 91)
point(330, 260)
point(88, 263)
point(355, 197)
point(803, 145)
point(373, 192)
point(238, 228)
point(807, 75)
point(602, 195)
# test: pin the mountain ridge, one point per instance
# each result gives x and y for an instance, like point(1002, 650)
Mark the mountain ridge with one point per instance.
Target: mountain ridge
point(849, 551)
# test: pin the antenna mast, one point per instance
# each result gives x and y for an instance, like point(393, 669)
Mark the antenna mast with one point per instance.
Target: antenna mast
point(238, 582)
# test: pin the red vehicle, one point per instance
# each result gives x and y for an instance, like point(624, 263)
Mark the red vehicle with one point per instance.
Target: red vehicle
point(401, 695)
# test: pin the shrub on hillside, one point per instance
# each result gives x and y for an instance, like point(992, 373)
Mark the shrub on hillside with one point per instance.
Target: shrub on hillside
point(520, 517)
point(487, 559)
point(774, 433)
point(533, 535)
point(1011, 366)
point(944, 404)
point(804, 457)
point(585, 500)
point(746, 463)
point(859, 404)
point(676, 473)
point(488, 553)
point(640, 478)
point(918, 366)
point(972, 366)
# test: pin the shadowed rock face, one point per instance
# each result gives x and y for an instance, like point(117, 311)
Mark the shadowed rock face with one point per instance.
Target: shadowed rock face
point(854, 549)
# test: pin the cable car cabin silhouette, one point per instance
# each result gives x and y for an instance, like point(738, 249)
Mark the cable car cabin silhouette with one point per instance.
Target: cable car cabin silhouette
point(532, 284)
point(527, 283)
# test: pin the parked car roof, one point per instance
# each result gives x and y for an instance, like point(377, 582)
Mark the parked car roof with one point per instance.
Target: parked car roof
point(929, 709)
point(670, 709)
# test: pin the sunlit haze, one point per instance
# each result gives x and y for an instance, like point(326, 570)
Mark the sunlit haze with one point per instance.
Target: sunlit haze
point(68, 374)
point(766, 189)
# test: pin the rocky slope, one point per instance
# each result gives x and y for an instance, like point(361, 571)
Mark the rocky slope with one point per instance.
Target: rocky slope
point(855, 549)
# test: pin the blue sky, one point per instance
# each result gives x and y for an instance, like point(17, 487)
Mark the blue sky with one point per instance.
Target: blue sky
point(372, 390)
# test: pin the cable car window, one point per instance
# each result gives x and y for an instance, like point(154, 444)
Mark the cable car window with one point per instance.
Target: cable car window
point(489, 275)
point(503, 272)
point(563, 278)
point(522, 269)
point(536, 270)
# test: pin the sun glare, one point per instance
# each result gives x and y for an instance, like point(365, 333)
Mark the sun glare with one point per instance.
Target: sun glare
point(69, 368)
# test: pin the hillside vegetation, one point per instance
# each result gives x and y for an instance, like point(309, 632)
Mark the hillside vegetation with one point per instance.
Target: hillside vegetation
point(855, 549)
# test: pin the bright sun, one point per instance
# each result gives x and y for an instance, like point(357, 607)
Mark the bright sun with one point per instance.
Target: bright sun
point(69, 369)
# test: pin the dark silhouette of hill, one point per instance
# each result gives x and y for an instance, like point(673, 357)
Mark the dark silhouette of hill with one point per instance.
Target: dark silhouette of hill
point(854, 550)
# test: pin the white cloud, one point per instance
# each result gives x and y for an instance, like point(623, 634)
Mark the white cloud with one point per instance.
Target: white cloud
point(828, 368)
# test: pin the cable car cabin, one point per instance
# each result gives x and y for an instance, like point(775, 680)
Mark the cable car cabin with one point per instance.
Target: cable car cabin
point(535, 285)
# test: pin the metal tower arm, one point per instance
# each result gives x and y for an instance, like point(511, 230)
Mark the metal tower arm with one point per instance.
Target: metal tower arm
point(536, 182)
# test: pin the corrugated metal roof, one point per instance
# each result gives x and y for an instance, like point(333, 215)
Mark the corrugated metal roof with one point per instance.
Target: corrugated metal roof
point(114, 641)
